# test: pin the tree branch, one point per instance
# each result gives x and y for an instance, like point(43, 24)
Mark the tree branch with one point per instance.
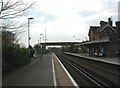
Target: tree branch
point(16, 9)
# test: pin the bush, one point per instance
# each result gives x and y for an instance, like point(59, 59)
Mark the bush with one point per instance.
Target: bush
point(12, 55)
point(21, 56)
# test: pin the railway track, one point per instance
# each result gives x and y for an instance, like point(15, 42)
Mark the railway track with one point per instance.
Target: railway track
point(84, 76)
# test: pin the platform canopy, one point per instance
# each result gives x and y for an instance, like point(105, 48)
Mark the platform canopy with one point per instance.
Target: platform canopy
point(94, 42)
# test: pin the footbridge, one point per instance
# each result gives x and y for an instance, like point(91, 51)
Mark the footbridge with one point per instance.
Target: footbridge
point(59, 43)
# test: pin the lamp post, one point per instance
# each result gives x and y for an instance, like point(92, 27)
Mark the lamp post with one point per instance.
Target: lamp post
point(40, 37)
point(43, 38)
point(74, 37)
point(38, 42)
point(29, 37)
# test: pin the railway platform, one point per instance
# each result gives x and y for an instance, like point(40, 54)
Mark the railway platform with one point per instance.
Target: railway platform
point(45, 71)
point(110, 60)
point(61, 76)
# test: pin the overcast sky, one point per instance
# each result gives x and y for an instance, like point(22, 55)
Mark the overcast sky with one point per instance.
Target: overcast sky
point(67, 18)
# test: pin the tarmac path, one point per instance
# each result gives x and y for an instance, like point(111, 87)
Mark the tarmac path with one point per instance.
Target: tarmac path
point(37, 73)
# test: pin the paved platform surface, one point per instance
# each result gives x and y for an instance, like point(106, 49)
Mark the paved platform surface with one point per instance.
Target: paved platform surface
point(39, 72)
point(110, 60)
point(63, 78)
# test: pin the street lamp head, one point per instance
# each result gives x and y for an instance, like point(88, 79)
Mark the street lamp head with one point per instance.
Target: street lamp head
point(41, 34)
point(29, 38)
point(31, 18)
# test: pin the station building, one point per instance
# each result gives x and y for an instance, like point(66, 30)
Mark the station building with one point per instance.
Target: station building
point(103, 40)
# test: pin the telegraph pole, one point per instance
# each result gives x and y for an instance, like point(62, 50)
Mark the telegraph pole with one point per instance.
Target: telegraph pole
point(45, 37)
point(74, 37)
point(118, 29)
point(45, 30)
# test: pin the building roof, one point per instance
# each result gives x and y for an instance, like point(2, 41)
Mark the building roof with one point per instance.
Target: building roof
point(113, 28)
point(96, 29)
point(94, 42)
point(93, 29)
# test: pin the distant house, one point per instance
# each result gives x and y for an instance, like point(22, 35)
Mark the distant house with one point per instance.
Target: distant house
point(102, 40)
point(103, 31)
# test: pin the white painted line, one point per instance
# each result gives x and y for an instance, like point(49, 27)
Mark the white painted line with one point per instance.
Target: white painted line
point(54, 76)
point(71, 78)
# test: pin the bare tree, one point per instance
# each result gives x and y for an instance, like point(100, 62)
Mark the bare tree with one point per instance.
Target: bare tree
point(10, 9)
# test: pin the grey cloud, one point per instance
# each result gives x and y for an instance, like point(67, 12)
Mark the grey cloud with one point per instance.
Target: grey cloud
point(110, 6)
point(59, 37)
point(48, 16)
point(96, 21)
point(86, 13)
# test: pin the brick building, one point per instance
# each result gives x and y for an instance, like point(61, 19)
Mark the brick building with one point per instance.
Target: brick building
point(103, 40)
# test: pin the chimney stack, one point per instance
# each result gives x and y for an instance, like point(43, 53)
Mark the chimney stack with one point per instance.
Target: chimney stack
point(110, 21)
point(102, 23)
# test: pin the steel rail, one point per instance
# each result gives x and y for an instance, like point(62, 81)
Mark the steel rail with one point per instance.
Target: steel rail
point(75, 65)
